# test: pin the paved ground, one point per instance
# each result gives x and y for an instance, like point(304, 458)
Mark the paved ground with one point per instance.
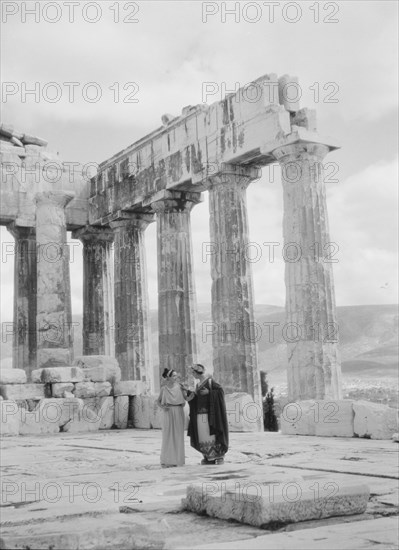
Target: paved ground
point(66, 491)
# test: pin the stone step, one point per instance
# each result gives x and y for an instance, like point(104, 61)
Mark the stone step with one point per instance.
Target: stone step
point(275, 503)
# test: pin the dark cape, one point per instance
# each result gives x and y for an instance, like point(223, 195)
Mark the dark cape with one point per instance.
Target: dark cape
point(217, 417)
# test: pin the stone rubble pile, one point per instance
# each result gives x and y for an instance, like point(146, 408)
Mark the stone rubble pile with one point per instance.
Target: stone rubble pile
point(20, 143)
point(86, 396)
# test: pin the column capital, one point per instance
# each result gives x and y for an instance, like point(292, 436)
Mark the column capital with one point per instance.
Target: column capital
point(92, 233)
point(295, 151)
point(232, 174)
point(175, 201)
point(21, 232)
point(139, 220)
point(56, 198)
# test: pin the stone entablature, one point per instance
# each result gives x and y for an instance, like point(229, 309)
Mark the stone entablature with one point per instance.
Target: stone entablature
point(241, 129)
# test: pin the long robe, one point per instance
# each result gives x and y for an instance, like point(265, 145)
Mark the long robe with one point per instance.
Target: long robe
point(172, 451)
point(208, 428)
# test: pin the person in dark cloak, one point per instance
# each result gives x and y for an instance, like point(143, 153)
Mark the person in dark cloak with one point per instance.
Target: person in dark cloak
point(208, 428)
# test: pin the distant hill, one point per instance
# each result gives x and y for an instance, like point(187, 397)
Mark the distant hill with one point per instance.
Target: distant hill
point(368, 340)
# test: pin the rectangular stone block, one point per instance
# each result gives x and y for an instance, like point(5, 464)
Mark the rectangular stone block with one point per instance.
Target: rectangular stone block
point(84, 389)
point(243, 414)
point(129, 387)
point(104, 408)
point(374, 421)
point(59, 388)
point(34, 424)
point(327, 418)
point(93, 366)
point(59, 374)
point(256, 504)
point(145, 412)
point(53, 357)
point(12, 376)
point(58, 411)
point(140, 412)
point(17, 392)
point(121, 411)
point(9, 418)
point(102, 389)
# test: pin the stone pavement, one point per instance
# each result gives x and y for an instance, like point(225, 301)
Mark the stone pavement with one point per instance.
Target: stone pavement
point(66, 491)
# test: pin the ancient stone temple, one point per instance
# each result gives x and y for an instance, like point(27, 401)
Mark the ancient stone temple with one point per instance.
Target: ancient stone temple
point(217, 149)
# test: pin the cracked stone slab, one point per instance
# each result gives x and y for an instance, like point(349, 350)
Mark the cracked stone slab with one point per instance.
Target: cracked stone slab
point(275, 503)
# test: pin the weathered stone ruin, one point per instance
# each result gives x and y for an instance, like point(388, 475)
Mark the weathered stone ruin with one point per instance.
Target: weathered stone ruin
point(217, 149)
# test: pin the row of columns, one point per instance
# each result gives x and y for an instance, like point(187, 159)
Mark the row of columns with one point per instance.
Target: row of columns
point(116, 311)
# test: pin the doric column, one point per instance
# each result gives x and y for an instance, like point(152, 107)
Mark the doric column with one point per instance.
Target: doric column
point(98, 290)
point(234, 338)
point(25, 282)
point(177, 307)
point(54, 316)
point(132, 318)
point(314, 370)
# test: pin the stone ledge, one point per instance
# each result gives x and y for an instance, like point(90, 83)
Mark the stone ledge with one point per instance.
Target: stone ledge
point(260, 510)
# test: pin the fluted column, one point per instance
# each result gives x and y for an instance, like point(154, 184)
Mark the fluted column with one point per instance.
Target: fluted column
point(234, 340)
point(314, 370)
point(25, 283)
point(98, 291)
point(54, 315)
point(132, 318)
point(177, 307)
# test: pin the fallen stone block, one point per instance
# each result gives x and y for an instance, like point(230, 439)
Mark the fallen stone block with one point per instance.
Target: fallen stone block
point(129, 387)
point(34, 424)
point(86, 421)
point(328, 418)
point(33, 140)
point(59, 388)
point(104, 409)
point(145, 412)
point(93, 366)
point(96, 374)
point(395, 437)
point(16, 392)
point(84, 389)
point(12, 376)
point(140, 412)
point(102, 389)
point(243, 414)
point(9, 418)
point(374, 421)
point(58, 374)
point(259, 505)
point(121, 411)
point(54, 357)
point(51, 411)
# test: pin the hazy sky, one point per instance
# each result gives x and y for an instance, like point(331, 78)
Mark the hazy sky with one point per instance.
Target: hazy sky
point(347, 51)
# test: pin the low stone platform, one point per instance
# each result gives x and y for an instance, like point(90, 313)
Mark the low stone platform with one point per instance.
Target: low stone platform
point(66, 490)
point(274, 501)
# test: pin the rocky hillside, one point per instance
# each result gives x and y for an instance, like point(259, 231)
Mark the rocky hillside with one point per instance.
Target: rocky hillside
point(368, 337)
